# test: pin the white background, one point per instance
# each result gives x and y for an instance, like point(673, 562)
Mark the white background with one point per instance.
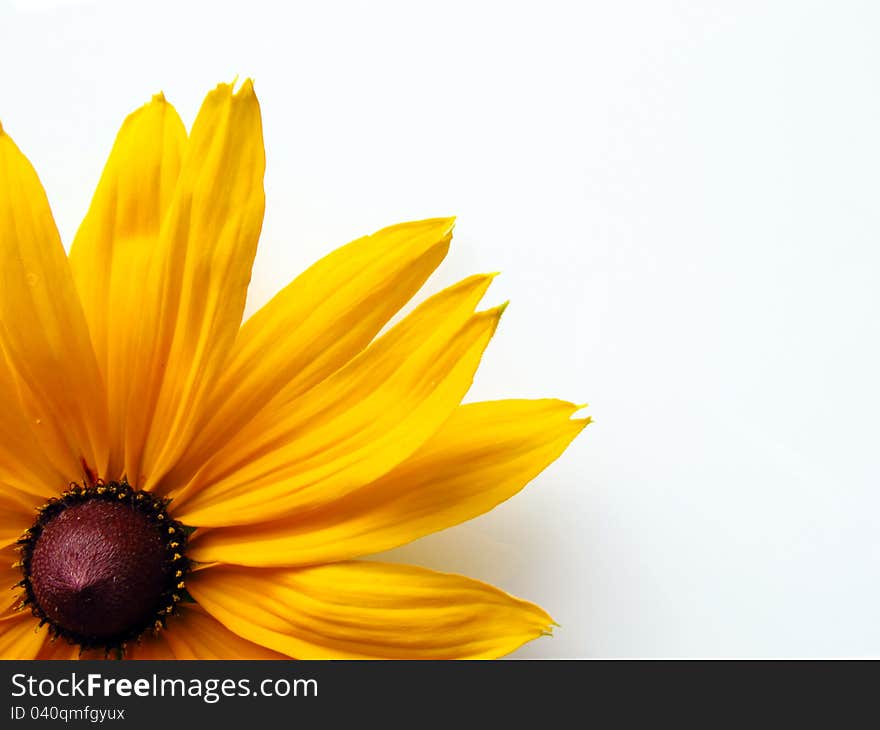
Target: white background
point(683, 200)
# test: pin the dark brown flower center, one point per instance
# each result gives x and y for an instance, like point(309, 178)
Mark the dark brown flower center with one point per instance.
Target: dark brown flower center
point(98, 568)
point(103, 564)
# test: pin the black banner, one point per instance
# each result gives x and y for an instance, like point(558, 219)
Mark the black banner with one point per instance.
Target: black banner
point(271, 694)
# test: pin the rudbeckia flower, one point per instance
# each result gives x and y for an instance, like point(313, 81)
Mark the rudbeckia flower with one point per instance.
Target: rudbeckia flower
point(177, 484)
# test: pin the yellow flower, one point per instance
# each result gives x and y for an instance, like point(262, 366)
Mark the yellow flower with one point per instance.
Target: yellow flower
point(204, 488)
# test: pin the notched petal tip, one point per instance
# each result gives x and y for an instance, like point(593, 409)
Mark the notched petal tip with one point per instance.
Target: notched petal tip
point(246, 89)
point(246, 98)
point(571, 410)
point(575, 407)
point(547, 624)
point(583, 421)
point(222, 89)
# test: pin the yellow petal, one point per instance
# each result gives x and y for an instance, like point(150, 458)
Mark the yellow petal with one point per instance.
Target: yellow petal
point(363, 610)
point(353, 427)
point(20, 637)
point(315, 326)
point(195, 635)
point(61, 650)
point(17, 513)
point(43, 332)
point(24, 465)
point(484, 454)
point(9, 575)
point(195, 290)
point(115, 246)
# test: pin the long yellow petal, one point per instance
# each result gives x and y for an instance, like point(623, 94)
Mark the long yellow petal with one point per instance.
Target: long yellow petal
point(484, 454)
point(115, 245)
point(362, 610)
point(43, 332)
point(193, 634)
point(198, 281)
point(316, 325)
point(353, 427)
point(24, 465)
point(20, 637)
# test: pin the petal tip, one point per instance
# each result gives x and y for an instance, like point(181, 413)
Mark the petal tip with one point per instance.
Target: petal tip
point(247, 88)
point(156, 105)
point(491, 317)
point(443, 225)
point(223, 88)
point(483, 280)
point(440, 226)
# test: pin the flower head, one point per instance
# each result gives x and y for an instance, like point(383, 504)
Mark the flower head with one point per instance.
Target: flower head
point(174, 483)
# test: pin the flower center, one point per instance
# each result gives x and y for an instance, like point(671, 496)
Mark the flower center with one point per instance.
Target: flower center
point(102, 564)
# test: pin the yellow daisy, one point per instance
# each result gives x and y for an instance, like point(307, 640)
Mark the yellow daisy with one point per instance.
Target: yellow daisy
point(177, 484)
